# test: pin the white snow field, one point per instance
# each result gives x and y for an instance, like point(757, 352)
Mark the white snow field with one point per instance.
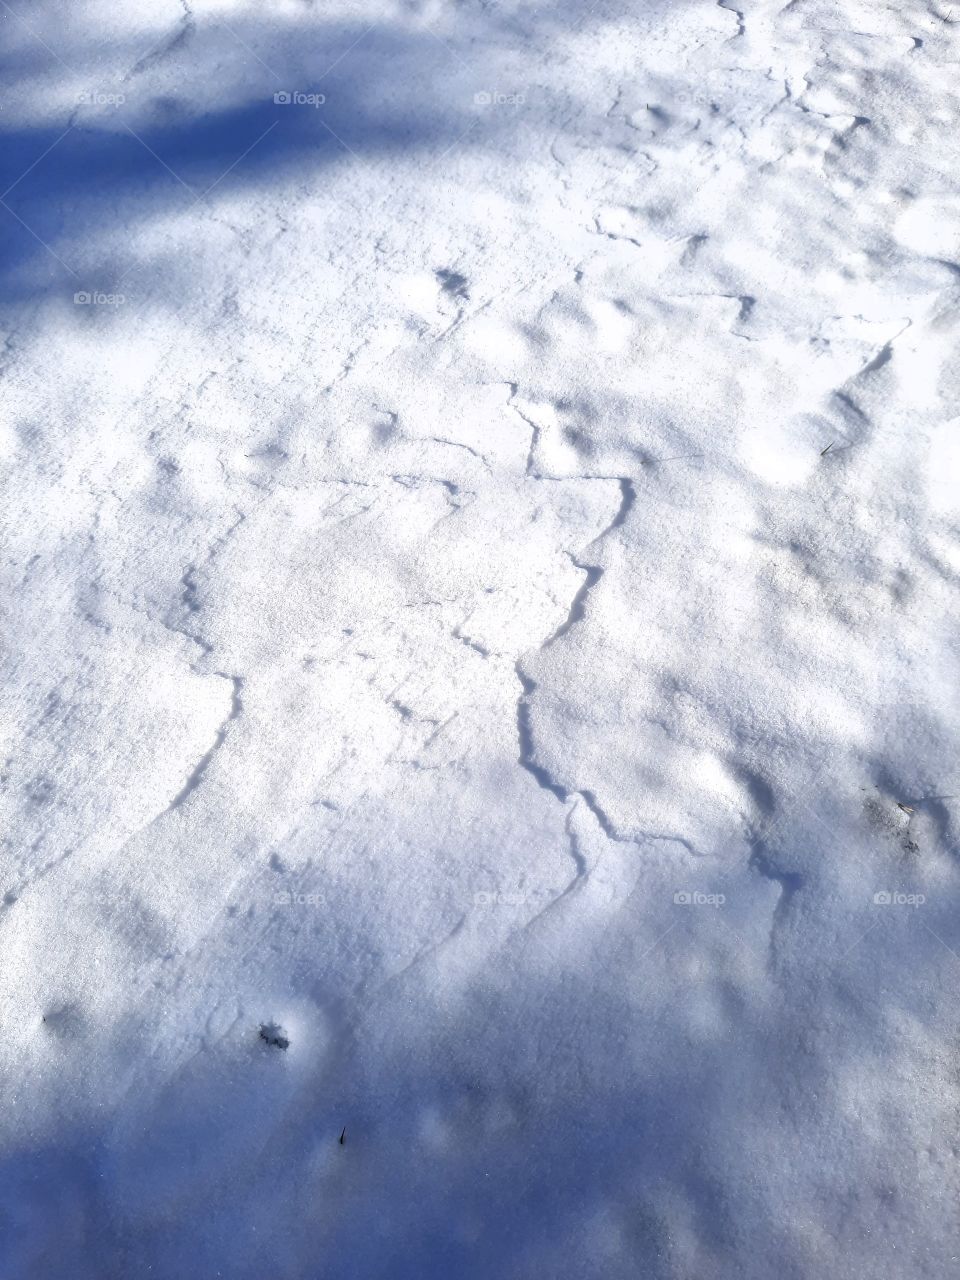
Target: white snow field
point(480, 641)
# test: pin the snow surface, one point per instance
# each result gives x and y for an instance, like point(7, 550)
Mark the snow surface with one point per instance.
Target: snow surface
point(480, 588)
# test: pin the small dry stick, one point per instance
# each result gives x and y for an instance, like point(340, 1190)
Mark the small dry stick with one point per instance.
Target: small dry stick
point(824, 452)
point(343, 1135)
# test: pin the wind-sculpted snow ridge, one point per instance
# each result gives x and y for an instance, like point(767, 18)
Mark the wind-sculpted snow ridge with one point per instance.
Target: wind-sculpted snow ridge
point(478, 737)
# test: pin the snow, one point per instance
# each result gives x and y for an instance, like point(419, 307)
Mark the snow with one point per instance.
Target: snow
point(480, 661)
